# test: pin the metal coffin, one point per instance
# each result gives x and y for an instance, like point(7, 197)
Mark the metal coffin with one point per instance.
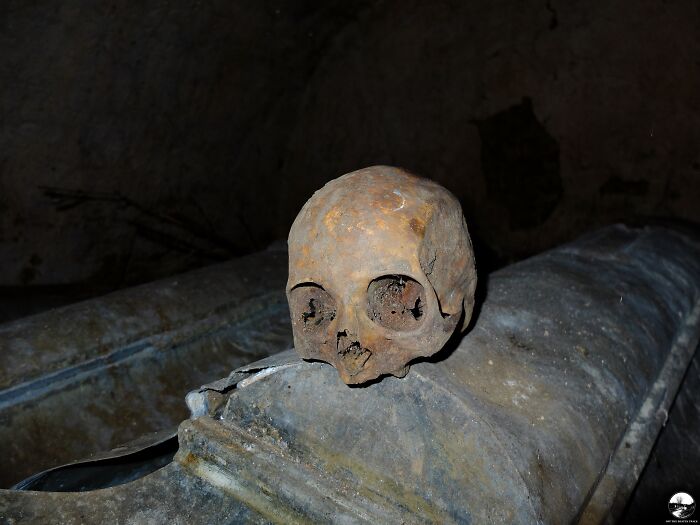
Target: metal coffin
point(543, 413)
point(90, 377)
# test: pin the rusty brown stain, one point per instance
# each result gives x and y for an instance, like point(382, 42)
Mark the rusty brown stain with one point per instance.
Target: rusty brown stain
point(418, 227)
point(331, 219)
point(338, 462)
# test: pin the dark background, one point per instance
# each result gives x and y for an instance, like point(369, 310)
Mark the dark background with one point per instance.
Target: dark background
point(142, 140)
point(139, 139)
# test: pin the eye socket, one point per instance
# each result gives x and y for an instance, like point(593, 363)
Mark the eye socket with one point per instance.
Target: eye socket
point(396, 302)
point(312, 307)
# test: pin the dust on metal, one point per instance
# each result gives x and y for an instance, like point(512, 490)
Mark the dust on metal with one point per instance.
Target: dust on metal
point(517, 423)
point(98, 374)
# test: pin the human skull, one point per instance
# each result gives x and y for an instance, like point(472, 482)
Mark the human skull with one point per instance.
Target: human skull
point(381, 271)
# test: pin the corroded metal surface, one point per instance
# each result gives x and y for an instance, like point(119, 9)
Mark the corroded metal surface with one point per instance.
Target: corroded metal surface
point(108, 468)
point(170, 496)
point(381, 272)
point(98, 374)
point(516, 423)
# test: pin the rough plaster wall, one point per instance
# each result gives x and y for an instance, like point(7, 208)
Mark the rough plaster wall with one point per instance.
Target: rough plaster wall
point(123, 126)
point(138, 141)
point(614, 84)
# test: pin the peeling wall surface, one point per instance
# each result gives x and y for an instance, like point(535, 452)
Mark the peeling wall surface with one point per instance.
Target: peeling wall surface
point(142, 140)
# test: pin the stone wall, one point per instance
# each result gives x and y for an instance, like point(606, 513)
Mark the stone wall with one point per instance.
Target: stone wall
point(137, 141)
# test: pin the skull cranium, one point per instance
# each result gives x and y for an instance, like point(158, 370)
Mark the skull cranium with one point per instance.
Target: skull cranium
point(381, 271)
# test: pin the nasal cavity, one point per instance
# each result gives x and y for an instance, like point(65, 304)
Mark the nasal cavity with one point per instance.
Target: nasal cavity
point(343, 341)
point(352, 353)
